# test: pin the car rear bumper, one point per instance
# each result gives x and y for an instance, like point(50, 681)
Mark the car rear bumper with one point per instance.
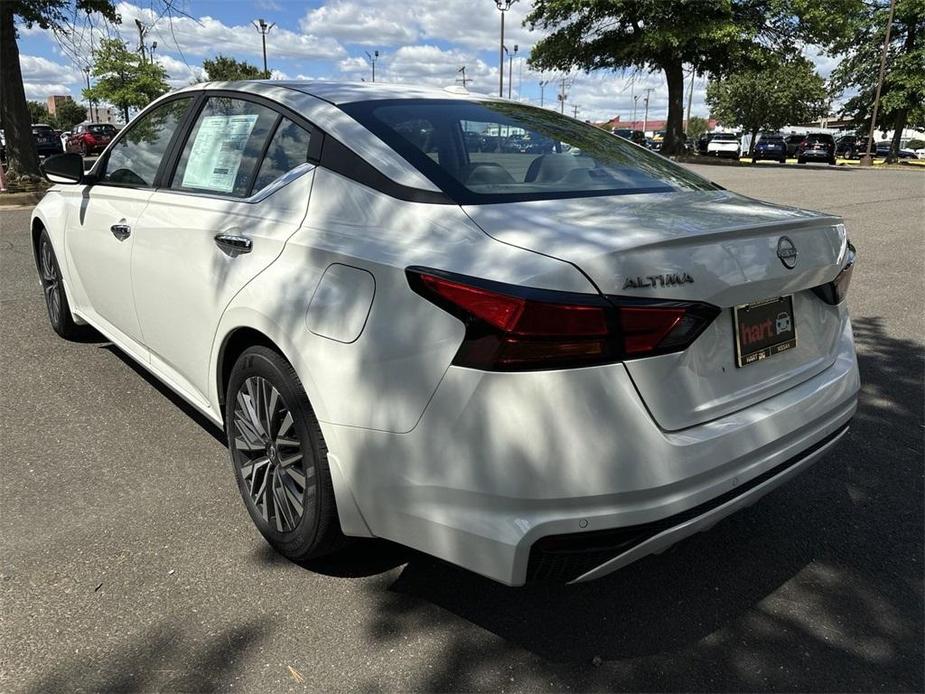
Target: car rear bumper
point(817, 154)
point(499, 462)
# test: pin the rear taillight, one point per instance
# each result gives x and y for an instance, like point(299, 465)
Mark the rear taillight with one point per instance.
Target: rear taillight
point(511, 328)
point(834, 292)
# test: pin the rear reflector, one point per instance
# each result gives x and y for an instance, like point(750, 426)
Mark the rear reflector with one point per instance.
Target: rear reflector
point(510, 328)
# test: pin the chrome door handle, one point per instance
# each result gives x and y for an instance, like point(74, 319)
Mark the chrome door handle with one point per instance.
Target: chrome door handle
point(234, 245)
point(121, 231)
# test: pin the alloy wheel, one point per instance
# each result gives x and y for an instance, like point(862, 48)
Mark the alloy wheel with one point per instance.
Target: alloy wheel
point(51, 282)
point(269, 456)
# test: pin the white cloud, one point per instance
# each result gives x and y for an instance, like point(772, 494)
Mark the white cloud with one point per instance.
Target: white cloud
point(470, 24)
point(433, 66)
point(179, 74)
point(43, 78)
point(353, 22)
point(208, 36)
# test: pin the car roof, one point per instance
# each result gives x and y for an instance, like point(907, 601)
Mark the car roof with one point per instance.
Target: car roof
point(338, 93)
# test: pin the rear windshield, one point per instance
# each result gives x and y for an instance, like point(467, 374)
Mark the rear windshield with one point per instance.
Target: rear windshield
point(102, 129)
point(771, 138)
point(821, 137)
point(482, 152)
point(725, 137)
point(42, 130)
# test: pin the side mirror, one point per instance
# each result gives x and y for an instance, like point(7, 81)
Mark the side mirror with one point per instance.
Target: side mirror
point(64, 168)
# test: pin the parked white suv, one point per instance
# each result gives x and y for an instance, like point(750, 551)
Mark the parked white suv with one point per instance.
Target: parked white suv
point(536, 364)
point(724, 145)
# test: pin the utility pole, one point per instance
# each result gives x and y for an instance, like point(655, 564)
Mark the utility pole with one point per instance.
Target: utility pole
point(645, 120)
point(562, 96)
point(510, 70)
point(575, 109)
point(264, 29)
point(372, 61)
point(503, 6)
point(543, 84)
point(141, 38)
point(635, 99)
point(465, 80)
point(87, 70)
point(867, 159)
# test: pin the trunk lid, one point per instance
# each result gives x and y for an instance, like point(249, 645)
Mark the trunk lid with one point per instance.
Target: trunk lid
point(715, 247)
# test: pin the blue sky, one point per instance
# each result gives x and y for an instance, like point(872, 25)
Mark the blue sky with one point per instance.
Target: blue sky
point(425, 41)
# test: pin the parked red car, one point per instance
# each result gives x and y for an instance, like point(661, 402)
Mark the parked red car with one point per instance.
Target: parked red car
point(90, 138)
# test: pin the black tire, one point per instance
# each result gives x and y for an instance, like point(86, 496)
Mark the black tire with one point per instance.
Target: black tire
point(59, 311)
point(782, 161)
point(754, 161)
point(800, 160)
point(316, 531)
point(83, 150)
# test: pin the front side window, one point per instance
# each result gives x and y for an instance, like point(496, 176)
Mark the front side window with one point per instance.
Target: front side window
point(479, 152)
point(137, 155)
point(224, 148)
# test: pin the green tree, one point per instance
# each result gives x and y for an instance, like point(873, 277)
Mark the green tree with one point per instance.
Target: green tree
point(124, 78)
point(778, 93)
point(22, 158)
point(224, 69)
point(68, 114)
point(697, 126)
point(857, 38)
point(38, 112)
point(713, 36)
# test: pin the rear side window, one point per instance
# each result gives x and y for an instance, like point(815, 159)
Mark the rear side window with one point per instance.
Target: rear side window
point(224, 147)
point(137, 155)
point(288, 149)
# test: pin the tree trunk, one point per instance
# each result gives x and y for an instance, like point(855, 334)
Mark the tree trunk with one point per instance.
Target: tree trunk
point(899, 124)
point(902, 115)
point(751, 144)
point(21, 155)
point(674, 128)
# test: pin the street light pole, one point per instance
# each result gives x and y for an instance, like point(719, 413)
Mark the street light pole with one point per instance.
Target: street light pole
point(510, 71)
point(503, 6)
point(372, 60)
point(87, 73)
point(645, 120)
point(635, 100)
point(543, 84)
point(264, 28)
point(867, 159)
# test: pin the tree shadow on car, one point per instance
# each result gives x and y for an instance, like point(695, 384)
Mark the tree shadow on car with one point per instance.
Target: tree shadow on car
point(816, 586)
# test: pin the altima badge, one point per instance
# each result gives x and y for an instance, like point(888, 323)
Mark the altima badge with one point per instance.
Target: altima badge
point(673, 280)
point(787, 252)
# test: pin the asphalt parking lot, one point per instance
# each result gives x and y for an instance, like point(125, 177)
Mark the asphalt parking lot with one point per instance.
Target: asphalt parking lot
point(129, 562)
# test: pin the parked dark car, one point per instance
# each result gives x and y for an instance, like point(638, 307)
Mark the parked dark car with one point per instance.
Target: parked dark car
point(702, 143)
point(793, 144)
point(770, 146)
point(90, 138)
point(817, 147)
point(46, 141)
point(636, 136)
point(883, 149)
point(851, 146)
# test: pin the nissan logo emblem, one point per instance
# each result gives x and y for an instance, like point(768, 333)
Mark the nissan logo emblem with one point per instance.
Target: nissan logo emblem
point(787, 252)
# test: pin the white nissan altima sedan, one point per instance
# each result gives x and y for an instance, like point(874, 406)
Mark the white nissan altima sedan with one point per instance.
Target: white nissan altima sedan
point(474, 327)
